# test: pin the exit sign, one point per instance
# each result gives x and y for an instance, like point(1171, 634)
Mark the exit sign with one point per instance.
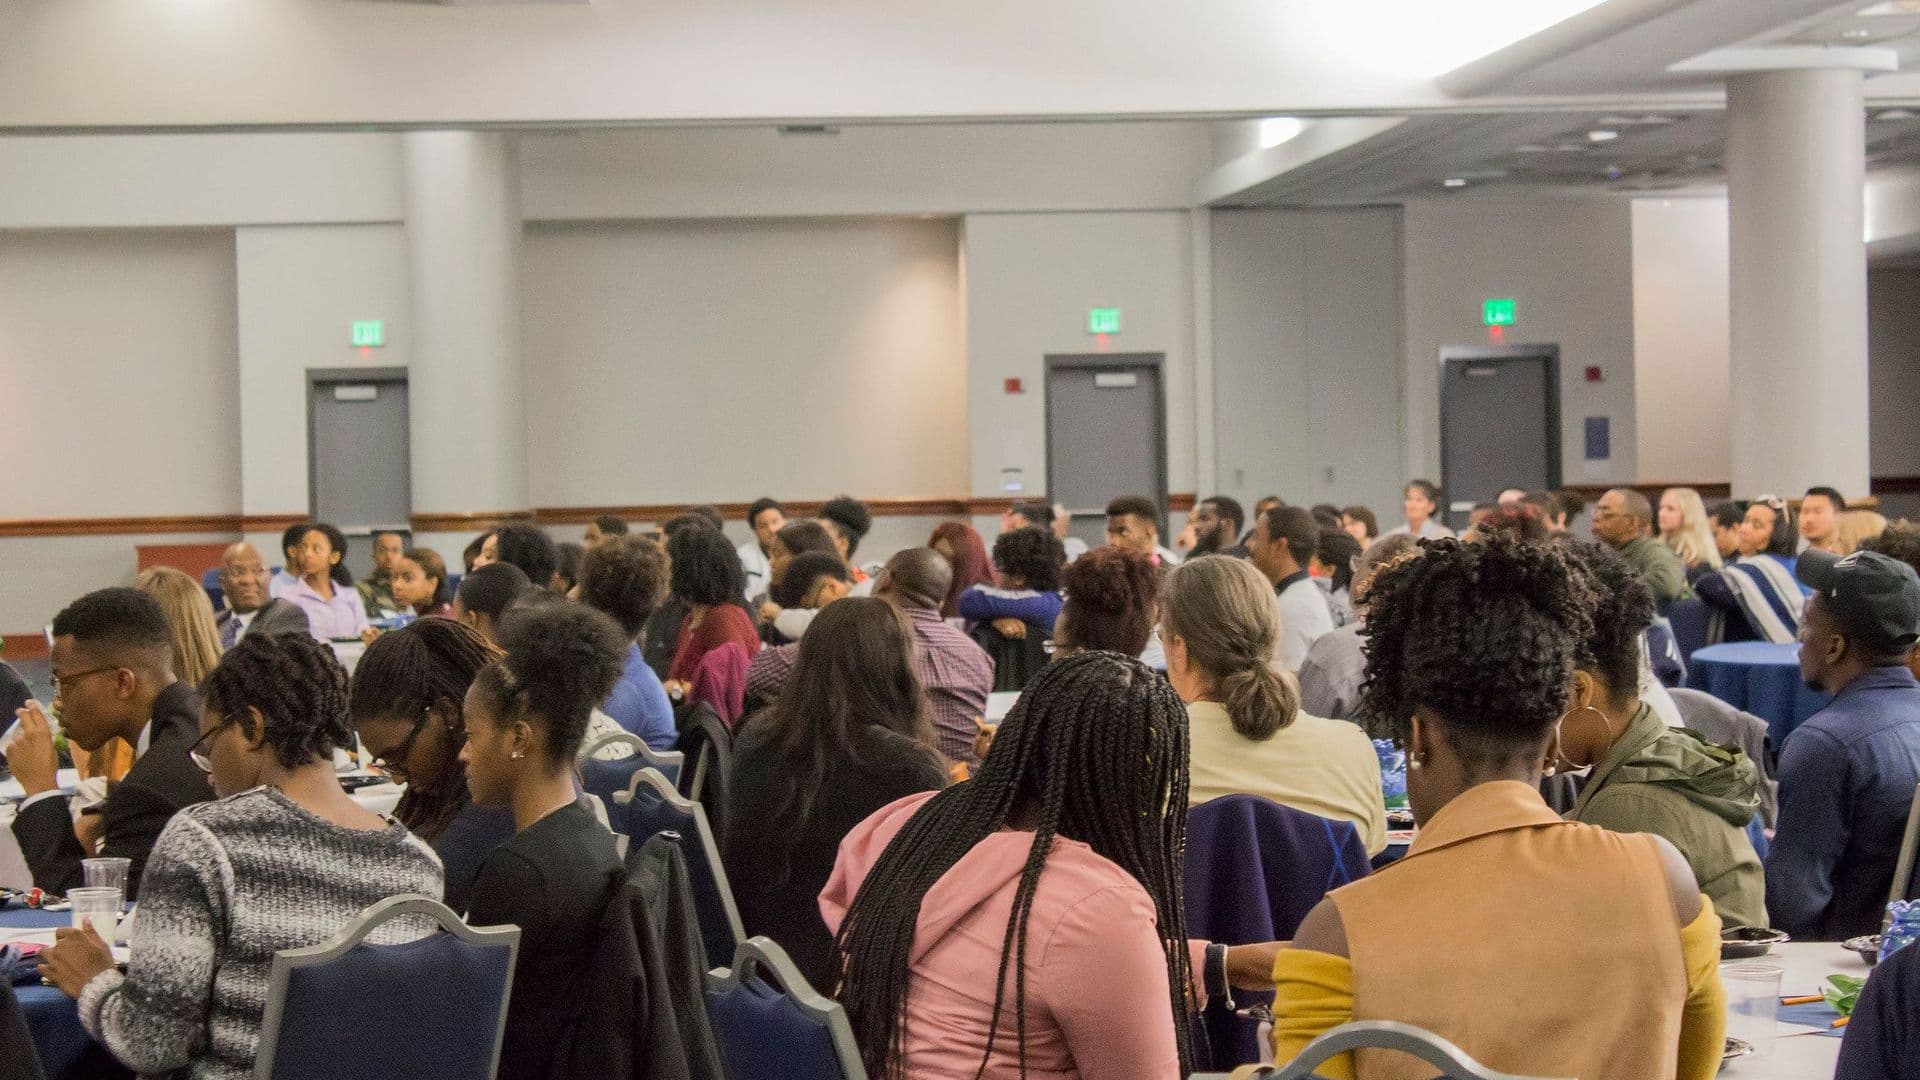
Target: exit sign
point(1103, 320)
point(369, 334)
point(1497, 312)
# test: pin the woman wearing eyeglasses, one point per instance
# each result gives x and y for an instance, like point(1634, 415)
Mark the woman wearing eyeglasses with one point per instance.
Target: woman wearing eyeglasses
point(282, 860)
point(407, 700)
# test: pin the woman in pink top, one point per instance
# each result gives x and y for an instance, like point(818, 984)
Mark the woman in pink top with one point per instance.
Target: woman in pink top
point(1029, 920)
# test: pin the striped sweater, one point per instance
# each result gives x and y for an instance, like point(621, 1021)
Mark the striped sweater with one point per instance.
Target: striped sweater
point(230, 883)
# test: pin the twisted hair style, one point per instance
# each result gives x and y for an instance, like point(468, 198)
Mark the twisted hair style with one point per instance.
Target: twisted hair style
point(425, 664)
point(1484, 635)
point(1033, 554)
point(1109, 603)
point(1622, 611)
point(562, 660)
point(1223, 609)
point(1095, 750)
point(298, 687)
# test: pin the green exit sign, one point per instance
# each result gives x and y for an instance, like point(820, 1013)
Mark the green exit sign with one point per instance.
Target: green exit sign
point(1103, 320)
point(369, 334)
point(1497, 312)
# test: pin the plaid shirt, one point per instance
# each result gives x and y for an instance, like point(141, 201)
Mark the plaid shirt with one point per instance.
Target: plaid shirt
point(957, 676)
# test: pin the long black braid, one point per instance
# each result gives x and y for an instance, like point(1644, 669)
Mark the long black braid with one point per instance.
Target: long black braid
point(426, 664)
point(1094, 750)
point(299, 688)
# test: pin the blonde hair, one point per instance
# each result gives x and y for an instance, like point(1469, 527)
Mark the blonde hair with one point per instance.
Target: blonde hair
point(196, 640)
point(1224, 611)
point(1856, 527)
point(1693, 541)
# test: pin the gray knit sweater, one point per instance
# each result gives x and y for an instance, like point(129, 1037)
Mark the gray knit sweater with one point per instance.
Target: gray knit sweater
point(230, 883)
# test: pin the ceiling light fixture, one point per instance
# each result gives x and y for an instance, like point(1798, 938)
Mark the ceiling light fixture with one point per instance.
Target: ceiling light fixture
point(1275, 130)
point(1453, 182)
point(1602, 135)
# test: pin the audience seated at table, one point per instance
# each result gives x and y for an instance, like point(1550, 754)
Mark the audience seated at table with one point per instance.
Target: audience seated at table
point(282, 860)
point(1624, 521)
point(1883, 1037)
point(1599, 952)
point(624, 576)
point(966, 553)
point(113, 676)
point(1847, 775)
point(1246, 733)
point(419, 583)
point(525, 546)
point(1756, 593)
point(1336, 664)
point(526, 716)
point(1069, 836)
point(1284, 540)
point(325, 589)
point(1421, 504)
point(955, 673)
point(1648, 777)
point(1686, 531)
point(250, 606)
point(376, 589)
point(408, 706)
point(850, 733)
point(486, 593)
point(1819, 520)
point(1025, 600)
point(766, 517)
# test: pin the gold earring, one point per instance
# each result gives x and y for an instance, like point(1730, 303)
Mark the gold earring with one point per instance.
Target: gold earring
point(516, 755)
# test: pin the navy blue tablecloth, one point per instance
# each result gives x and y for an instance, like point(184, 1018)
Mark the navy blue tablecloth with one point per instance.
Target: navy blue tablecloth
point(65, 1048)
point(1758, 677)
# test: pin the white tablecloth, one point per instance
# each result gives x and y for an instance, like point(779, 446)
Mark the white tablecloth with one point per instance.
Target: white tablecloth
point(1798, 1054)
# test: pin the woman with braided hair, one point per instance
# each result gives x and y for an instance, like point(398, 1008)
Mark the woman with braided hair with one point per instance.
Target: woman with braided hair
point(1539, 946)
point(1029, 921)
point(1249, 737)
point(408, 707)
point(282, 860)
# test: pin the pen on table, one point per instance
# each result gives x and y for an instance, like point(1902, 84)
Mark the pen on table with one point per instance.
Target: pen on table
point(1805, 999)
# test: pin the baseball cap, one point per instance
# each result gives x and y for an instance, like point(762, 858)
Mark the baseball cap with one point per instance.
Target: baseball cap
point(1871, 596)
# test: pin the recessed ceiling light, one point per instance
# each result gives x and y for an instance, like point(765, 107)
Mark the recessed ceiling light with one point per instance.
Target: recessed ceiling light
point(1602, 135)
point(1454, 182)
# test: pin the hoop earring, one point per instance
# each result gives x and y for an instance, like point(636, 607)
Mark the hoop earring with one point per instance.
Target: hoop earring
point(1561, 742)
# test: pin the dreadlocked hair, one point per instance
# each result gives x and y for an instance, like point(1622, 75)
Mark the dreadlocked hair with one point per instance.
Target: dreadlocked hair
point(298, 687)
point(1095, 750)
point(405, 673)
point(1484, 634)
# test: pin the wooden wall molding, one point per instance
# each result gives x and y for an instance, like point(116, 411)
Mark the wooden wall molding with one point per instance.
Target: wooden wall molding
point(472, 522)
point(129, 526)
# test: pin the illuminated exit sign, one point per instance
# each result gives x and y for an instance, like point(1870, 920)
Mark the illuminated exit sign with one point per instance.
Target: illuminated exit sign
point(369, 334)
point(1103, 320)
point(1497, 312)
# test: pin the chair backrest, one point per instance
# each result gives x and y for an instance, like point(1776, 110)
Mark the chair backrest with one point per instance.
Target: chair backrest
point(1453, 1062)
point(654, 806)
point(1725, 725)
point(1016, 661)
point(669, 762)
point(772, 1026)
point(1692, 622)
point(210, 581)
point(348, 1007)
point(707, 780)
point(1906, 883)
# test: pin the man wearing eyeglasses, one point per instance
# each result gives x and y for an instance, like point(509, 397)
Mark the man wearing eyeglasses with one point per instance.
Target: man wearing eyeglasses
point(112, 676)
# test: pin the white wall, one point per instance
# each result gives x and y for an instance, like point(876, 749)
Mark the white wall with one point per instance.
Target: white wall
point(1030, 279)
point(1680, 342)
point(720, 361)
point(1307, 355)
point(117, 360)
point(1567, 263)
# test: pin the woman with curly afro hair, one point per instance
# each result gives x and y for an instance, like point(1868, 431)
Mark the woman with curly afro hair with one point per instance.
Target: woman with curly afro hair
point(1539, 946)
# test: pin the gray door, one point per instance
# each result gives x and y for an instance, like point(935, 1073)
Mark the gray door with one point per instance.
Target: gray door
point(358, 460)
point(1106, 436)
point(1499, 423)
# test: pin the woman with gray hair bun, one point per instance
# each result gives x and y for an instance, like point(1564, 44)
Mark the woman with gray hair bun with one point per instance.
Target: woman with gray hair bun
point(1247, 733)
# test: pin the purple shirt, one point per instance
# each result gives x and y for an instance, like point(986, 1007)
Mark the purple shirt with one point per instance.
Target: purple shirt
point(341, 617)
point(957, 675)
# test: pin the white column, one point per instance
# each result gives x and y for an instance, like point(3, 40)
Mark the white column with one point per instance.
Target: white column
point(1796, 160)
point(466, 393)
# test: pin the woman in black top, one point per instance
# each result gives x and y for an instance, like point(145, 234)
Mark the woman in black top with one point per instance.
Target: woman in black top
point(525, 718)
point(848, 735)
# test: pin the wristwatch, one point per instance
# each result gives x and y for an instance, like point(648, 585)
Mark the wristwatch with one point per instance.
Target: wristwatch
point(1219, 987)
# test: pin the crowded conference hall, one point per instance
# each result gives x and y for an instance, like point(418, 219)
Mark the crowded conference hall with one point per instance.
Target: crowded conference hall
point(1230, 540)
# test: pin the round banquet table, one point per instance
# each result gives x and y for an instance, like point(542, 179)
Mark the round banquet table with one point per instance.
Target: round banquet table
point(1801, 1051)
point(65, 1048)
point(1758, 677)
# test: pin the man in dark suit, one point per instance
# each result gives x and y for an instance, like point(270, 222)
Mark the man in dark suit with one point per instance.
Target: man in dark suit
point(112, 676)
point(250, 609)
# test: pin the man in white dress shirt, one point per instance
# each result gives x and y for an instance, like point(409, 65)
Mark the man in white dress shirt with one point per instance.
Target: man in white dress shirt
point(1284, 539)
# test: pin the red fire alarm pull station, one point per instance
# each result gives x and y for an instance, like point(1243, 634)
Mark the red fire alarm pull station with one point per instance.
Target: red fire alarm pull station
point(1594, 374)
point(1014, 387)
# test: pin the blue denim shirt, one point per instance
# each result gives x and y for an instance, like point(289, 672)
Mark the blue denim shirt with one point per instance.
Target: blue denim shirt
point(1846, 782)
point(639, 703)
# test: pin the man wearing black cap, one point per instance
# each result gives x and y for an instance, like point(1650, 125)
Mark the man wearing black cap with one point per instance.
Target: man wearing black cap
point(1847, 775)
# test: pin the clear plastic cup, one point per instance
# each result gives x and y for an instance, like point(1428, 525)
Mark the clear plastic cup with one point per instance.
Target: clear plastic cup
point(107, 873)
point(98, 908)
point(1753, 1003)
